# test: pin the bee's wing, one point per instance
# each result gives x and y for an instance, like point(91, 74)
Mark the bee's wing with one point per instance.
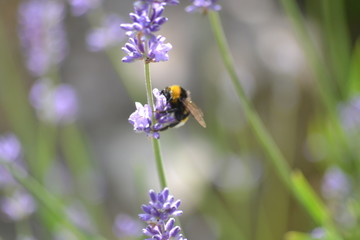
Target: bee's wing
point(195, 111)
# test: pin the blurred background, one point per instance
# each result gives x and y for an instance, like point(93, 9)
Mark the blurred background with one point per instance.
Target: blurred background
point(86, 154)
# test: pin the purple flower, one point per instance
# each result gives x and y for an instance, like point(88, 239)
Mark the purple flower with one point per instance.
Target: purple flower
point(144, 21)
point(18, 206)
point(318, 233)
point(157, 50)
point(203, 6)
point(335, 184)
point(10, 148)
point(164, 232)
point(126, 226)
point(134, 49)
point(141, 119)
point(55, 104)
point(81, 7)
point(108, 35)
point(162, 117)
point(10, 152)
point(143, 44)
point(42, 35)
point(159, 215)
point(350, 115)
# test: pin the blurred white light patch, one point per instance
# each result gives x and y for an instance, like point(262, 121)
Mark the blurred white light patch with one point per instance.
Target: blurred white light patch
point(189, 169)
point(250, 11)
point(279, 50)
point(64, 234)
point(202, 226)
point(242, 173)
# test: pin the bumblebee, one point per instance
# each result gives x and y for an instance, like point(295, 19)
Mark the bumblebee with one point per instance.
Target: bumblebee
point(181, 106)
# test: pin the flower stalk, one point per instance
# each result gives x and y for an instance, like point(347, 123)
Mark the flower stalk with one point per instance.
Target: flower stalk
point(155, 142)
point(265, 139)
point(274, 154)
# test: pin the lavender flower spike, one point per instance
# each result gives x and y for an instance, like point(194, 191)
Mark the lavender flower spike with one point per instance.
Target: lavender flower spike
point(203, 6)
point(159, 215)
point(143, 44)
point(42, 35)
point(144, 21)
point(54, 104)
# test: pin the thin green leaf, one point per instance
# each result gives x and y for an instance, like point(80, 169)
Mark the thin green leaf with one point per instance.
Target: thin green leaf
point(297, 236)
point(309, 199)
point(354, 76)
point(53, 205)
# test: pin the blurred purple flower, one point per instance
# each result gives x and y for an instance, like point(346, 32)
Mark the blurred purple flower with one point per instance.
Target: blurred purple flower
point(335, 184)
point(159, 215)
point(108, 35)
point(81, 7)
point(18, 206)
point(203, 6)
point(55, 104)
point(318, 233)
point(350, 115)
point(42, 34)
point(126, 226)
point(10, 152)
point(10, 148)
point(141, 119)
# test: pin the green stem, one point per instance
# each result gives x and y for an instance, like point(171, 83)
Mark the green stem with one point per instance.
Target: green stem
point(155, 142)
point(51, 204)
point(337, 41)
point(275, 157)
point(265, 139)
point(148, 86)
point(323, 80)
point(159, 163)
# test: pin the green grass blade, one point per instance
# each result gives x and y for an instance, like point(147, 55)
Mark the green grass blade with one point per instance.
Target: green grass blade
point(51, 204)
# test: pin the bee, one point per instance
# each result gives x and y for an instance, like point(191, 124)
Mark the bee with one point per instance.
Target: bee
point(181, 106)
